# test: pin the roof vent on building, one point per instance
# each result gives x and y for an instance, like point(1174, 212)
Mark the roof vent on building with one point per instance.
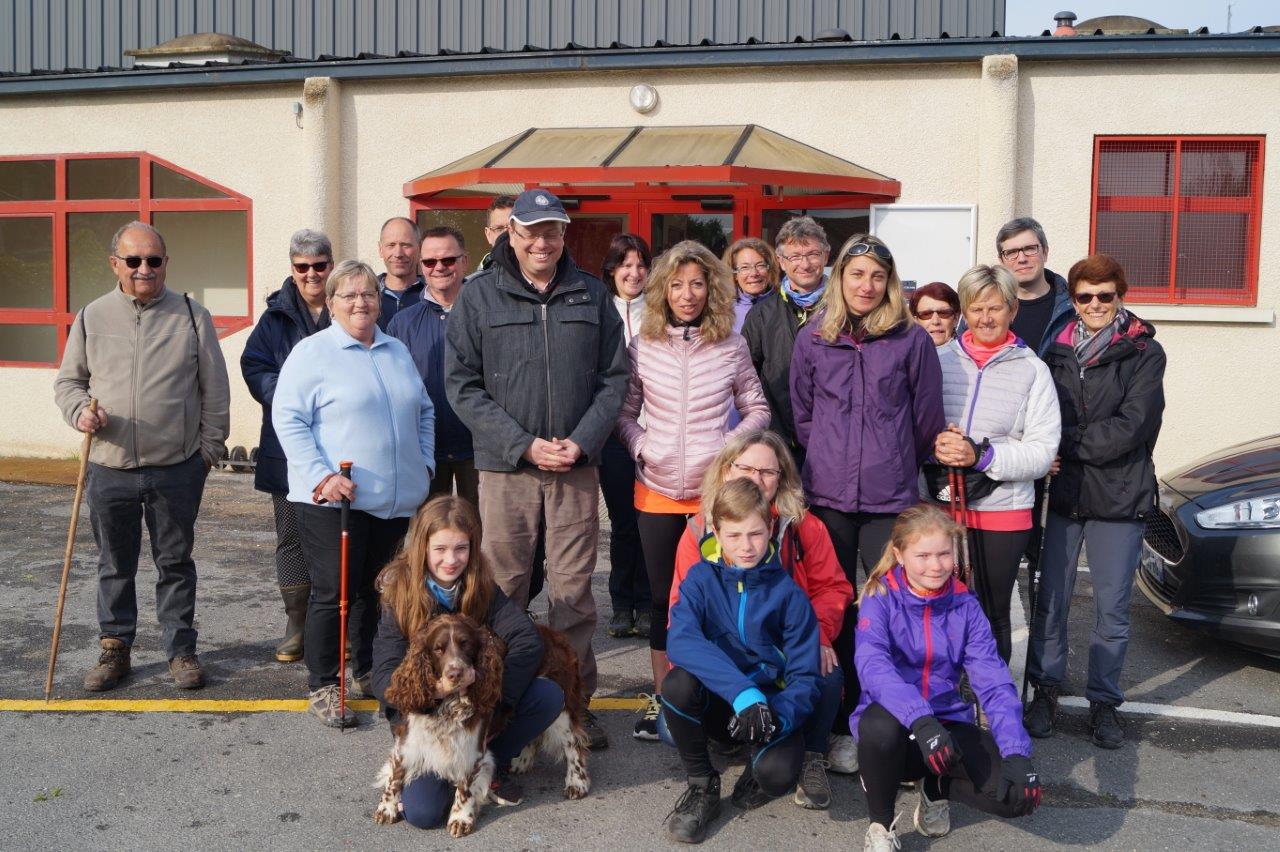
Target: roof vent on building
point(833, 34)
point(202, 47)
point(1064, 21)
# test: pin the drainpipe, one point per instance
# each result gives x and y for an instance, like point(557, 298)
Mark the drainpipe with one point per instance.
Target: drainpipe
point(321, 120)
point(997, 150)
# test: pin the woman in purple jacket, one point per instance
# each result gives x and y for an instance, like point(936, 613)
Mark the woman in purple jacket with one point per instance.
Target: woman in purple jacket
point(919, 628)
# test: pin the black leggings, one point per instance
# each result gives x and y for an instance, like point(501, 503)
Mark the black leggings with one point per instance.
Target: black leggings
point(887, 756)
point(994, 557)
point(659, 537)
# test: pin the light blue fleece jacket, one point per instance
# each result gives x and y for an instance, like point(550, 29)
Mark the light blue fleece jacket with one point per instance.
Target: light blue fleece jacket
point(338, 401)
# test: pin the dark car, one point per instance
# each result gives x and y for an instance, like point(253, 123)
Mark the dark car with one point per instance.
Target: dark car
point(1211, 551)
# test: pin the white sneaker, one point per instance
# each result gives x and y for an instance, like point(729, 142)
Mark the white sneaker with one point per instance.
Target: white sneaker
point(842, 754)
point(881, 839)
point(933, 819)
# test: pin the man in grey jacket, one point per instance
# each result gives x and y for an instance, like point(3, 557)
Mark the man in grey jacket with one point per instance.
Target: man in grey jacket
point(535, 367)
point(151, 359)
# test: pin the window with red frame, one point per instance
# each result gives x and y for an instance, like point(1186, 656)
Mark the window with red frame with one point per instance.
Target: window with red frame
point(1181, 214)
point(57, 217)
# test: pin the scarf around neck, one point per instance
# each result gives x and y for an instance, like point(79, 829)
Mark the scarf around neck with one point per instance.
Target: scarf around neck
point(804, 300)
point(1090, 346)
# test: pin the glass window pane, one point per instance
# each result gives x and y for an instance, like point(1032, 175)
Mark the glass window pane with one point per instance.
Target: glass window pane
point(1141, 243)
point(1212, 254)
point(1218, 168)
point(88, 244)
point(26, 180)
point(26, 262)
point(35, 343)
point(114, 178)
point(713, 230)
point(469, 222)
point(208, 257)
point(589, 235)
point(1135, 168)
point(840, 224)
point(579, 146)
point(166, 183)
point(679, 146)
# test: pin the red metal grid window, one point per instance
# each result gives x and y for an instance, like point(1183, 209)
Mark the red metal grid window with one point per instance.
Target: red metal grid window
point(1181, 214)
point(57, 216)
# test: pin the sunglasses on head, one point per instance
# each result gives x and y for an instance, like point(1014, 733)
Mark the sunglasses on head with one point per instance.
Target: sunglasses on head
point(882, 252)
point(945, 313)
point(304, 268)
point(446, 262)
point(133, 261)
point(1086, 298)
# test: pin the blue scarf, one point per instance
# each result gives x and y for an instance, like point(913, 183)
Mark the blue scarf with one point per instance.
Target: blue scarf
point(804, 300)
point(443, 595)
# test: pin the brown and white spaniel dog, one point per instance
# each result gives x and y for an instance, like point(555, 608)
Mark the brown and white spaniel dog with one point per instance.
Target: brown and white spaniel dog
point(448, 738)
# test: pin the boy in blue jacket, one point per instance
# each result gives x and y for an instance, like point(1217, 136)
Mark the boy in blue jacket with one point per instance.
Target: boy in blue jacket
point(743, 644)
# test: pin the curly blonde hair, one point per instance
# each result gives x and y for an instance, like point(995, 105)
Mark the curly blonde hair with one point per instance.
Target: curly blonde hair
point(717, 316)
point(888, 315)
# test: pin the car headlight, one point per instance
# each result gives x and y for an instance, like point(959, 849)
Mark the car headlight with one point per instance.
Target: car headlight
point(1258, 513)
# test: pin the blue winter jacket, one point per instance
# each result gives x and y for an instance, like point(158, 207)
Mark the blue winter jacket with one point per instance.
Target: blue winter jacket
point(911, 650)
point(748, 634)
point(421, 327)
point(285, 322)
point(391, 304)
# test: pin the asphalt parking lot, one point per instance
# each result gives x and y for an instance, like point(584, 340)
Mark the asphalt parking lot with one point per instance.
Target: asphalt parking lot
point(277, 780)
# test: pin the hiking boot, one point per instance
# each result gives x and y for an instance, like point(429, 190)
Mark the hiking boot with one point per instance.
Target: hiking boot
point(1038, 717)
point(596, 737)
point(881, 839)
point(295, 608)
point(324, 705)
point(647, 725)
point(933, 817)
point(112, 667)
point(1105, 728)
point(621, 624)
point(186, 671)
point(694, 811)
point(505, 790)
point(842, 754)
point(747, 794)
point(361, 686)
point(643, 619)
point(813, 791)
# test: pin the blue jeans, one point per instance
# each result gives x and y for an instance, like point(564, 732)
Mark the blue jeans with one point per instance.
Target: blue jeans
point(428, 798)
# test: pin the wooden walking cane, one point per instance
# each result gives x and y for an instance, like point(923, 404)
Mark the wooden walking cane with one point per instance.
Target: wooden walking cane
point(66, 558)
point(345, 471)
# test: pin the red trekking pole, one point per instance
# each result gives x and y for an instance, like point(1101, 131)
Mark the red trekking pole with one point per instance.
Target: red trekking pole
point(344, 469)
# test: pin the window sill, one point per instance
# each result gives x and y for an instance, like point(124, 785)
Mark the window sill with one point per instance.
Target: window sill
point(1205, 313)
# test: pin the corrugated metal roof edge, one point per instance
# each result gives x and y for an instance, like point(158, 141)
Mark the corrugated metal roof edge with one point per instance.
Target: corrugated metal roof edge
point(368, 67)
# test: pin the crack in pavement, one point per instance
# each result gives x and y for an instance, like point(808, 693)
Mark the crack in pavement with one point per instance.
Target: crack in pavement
point(1067, 795)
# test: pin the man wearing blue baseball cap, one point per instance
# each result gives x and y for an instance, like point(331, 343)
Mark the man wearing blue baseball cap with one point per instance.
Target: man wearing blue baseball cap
point(536, 368)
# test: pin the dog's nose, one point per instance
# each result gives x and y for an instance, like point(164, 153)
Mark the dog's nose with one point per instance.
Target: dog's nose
point(453, 671)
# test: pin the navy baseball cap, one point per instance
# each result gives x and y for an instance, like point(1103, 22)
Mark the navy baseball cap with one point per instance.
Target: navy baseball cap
point(537, 205)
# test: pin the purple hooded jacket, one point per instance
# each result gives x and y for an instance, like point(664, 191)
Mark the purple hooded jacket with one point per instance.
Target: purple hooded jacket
point(911, 651)
point(867, 413)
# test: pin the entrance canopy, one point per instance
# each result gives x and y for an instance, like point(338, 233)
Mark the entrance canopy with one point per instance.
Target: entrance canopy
point(606, 161)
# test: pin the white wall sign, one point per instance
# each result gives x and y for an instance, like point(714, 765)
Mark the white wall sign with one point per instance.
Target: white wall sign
point(930, 242)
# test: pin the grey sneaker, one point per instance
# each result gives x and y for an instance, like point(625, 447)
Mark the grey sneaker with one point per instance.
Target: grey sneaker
point(360, 687)
point(814, 790)
point(694, 811)
point(933, 818)
point(842, 754)
point(186, 672)
point(881, 839)
point(112, 667)
point(325, 706)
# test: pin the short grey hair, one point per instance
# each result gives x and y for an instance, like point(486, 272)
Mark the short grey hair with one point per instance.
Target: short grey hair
point(981, 278)
point(799, 229)
point(350, 269)
point(413, 228)
point(1016, 226)
point(139, 226)
point(309, 243)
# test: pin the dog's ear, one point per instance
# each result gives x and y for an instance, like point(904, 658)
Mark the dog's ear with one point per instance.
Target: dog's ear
point(413, 684)
point(487, 691)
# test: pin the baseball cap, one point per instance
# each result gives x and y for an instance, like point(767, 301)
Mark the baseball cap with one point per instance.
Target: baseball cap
point(537, 205)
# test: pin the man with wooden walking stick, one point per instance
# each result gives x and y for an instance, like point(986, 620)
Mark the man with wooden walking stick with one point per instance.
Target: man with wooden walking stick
point(151, 358)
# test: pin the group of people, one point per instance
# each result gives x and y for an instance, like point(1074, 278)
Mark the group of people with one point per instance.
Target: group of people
point(760, 428)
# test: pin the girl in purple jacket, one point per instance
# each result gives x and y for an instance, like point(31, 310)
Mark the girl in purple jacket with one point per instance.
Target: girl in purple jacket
point(919, 629)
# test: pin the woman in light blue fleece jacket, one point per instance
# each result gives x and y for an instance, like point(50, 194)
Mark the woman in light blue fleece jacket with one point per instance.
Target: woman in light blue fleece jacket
point(351, 393)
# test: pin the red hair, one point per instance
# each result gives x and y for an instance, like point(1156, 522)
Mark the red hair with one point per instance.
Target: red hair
point(1097, 269)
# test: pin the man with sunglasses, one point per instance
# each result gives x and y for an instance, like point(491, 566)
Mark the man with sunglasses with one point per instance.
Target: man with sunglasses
point(151, 359)
point(1044, 308)
point(421, 327)
point(399, 242)
point(535, 367)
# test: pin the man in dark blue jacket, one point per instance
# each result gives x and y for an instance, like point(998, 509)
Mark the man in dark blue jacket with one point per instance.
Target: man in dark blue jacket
point(421, 327)
point(1044, 307)
point(401, 285)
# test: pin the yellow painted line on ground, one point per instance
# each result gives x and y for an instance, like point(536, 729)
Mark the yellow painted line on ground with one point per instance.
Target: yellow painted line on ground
point(181, 705)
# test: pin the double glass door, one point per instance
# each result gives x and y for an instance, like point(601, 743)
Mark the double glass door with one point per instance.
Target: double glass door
point(662, 224)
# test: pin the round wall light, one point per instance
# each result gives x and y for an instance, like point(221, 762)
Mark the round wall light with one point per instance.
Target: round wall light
point(644, 98)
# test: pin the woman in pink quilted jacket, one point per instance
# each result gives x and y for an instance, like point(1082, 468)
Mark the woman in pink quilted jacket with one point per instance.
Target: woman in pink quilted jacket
point(688, 371)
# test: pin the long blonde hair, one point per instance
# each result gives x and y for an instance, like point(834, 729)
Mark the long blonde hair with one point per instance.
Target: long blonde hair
point(717, 316)
point(403, 582)
point(911, 525)
point(788, 502)
point(884, 318)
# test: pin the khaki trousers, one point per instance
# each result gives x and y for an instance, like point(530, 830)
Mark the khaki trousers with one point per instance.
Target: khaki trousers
point(511, 507)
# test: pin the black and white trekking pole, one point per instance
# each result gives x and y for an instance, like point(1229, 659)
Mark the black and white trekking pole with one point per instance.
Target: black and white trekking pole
point(1033, 591)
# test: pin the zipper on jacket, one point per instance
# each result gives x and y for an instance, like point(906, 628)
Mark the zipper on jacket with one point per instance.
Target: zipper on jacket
point(928, 653)
point(395, 432)
point(742, 614)
point(133, 415)
point(973, 401)
point(684, 413)
point(546, 355)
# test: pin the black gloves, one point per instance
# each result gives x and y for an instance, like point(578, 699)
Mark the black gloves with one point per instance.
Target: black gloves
point(755, 724)
point(1019, 784)
point(940, 753)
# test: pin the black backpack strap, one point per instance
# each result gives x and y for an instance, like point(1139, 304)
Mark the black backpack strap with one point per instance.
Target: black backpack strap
point(192, 315)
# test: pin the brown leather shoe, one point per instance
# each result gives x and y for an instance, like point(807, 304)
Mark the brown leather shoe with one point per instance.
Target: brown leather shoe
point(112, 667)
point(186, 672)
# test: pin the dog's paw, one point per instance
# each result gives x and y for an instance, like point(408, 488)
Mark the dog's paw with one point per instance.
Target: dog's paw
point(576, 791)
point(387, 812)
point(523, 761)
point(461, 826)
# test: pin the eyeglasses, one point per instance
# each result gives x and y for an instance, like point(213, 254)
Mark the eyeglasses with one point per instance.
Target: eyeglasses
point(807, 257)
point(1029, 252)
point(751, 267)
point(304, 268)
point(1086, 298)
point(945, 313)
point(553, 237)
point(762, 472)
point(352, 298)
point(495, 228)
point(882, 252)
point(133, 261)
point(446, 262)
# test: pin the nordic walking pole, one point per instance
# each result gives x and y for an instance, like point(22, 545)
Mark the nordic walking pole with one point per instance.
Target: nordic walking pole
point(345, 471)
point(1033, 589)
point(66, 558)
point(960, 512)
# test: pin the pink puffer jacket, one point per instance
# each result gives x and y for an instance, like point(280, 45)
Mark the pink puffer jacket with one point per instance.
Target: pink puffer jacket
point(686, 388)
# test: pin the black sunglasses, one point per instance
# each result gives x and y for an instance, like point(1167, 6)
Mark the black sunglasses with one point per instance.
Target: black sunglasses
point(1086, 298)
point(945, 313)
point(133, 261)
point(878, 250)
point(446, 262)
point(304, 268)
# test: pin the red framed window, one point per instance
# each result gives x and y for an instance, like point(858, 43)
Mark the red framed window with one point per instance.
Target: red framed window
point(57, 216)
point(1182, 214)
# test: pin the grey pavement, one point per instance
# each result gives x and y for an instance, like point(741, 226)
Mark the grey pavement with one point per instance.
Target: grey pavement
point(280, 781)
